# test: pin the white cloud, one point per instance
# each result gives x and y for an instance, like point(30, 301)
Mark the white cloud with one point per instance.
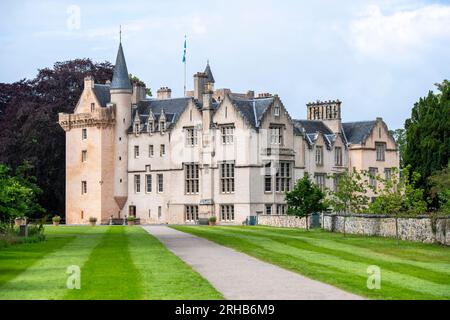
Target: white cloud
point(400, 35)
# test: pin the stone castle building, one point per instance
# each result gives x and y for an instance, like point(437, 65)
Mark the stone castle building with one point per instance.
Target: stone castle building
point(211, 153)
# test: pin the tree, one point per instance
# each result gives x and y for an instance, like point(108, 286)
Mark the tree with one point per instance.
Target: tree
point(306, 198)
point(350, 194)
point(18, 194)
point(28, 123)
point(440, 189)
point(427, 134)
point(400, 138)
point(136, 81)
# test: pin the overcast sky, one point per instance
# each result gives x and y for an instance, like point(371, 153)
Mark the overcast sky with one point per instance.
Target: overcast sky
point(378, 57)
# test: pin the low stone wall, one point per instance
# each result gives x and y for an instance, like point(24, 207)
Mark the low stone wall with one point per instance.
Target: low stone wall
point(281, 221)
point(414, 229)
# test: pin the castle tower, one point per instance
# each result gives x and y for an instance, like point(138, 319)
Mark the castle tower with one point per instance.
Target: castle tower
point(327, 111)
point(121, 96)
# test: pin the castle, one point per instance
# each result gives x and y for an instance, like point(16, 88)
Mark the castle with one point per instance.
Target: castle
point(211, 153)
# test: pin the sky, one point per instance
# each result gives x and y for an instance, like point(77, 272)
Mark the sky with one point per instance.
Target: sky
point(377, 57)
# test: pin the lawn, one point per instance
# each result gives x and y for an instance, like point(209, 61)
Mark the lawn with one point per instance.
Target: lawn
point(408, 270)
point(116, 263)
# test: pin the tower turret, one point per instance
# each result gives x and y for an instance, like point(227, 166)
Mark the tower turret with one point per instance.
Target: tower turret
point(121, 94)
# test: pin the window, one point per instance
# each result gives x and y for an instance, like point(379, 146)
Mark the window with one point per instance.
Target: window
point(83, 156)
point(227, 177)
point(372, 177)
point(84, 134)
point(191, 178)
point(92, 107)
point(148, 183)
point(137, 183)
point(268, 177)
point(136, 151)
point(283, 177)
point(191, 137)
point(162, 150)
point(227, 134)
point(159, 212)
point(319, 155)
point(191, 213)
point(276, 135)
point(281, 209)
point(338, 156)
point(137, 128)
point(268, 209)
point(162, 126)
point(276, 110)
point(380, 148)
point(151, 151)
point(150, 127)
point(388, 174)
point(336, 180)
point(320, 180)
point(160, 183)
point(83, 187)
point(227, 213)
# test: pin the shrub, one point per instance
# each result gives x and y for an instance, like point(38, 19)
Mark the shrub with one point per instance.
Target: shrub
point(212, 219)
point(92, 219)
point(56, 219)
point(130, 218)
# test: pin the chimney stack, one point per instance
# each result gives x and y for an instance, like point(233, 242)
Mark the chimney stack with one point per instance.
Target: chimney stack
point(199, 84)
point(139, 93)
point(89, 82)
point(164, 93)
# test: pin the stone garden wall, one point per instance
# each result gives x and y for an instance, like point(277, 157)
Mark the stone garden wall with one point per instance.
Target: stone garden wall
point(414, 229)
point(281, 221)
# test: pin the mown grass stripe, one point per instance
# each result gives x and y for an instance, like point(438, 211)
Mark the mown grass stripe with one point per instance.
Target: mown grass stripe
point(109, 273)
point(44, 278)
point(164, 275)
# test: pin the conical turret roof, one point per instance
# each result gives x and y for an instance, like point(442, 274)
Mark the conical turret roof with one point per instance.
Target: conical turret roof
point(121, 78)
point(209, 73)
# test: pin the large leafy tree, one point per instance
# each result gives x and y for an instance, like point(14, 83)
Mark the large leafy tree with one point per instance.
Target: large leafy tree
point(428, 133)
point(306, 198)
point(28, 123)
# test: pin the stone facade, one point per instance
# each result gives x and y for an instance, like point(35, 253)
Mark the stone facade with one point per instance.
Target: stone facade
point(213, 152)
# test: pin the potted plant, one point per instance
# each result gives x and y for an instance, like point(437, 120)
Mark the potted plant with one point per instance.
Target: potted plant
point(212, 221)
point(19, 221)
point(130, 220)
point(93, 221)
point(56, 220)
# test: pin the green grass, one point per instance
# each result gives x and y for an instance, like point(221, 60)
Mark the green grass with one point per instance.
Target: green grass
point(116, 263)
point(408, 271)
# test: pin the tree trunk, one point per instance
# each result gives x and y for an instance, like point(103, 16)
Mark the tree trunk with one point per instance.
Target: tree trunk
point(306, 222)
point(345, 219)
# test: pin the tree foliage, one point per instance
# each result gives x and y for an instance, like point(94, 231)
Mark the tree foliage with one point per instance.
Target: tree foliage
point(440, 189)
point(18, 193)
point(428, 134)
point(350, 195)
point(28, 123)
point(306, 198)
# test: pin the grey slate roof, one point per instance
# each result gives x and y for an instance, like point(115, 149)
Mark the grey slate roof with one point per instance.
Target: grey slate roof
point(252, 110)
point(121, 78)
point(312, 126)
point(102, 93)
point(209, 73)
point(173, 108)
point(357, 132)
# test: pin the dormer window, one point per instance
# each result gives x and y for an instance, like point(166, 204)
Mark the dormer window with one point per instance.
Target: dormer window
point(137, 128)
point(276, 110)
point(150, 127)
point(162, 126)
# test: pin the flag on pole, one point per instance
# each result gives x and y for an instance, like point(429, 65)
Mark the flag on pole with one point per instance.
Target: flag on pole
point(185, 46)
